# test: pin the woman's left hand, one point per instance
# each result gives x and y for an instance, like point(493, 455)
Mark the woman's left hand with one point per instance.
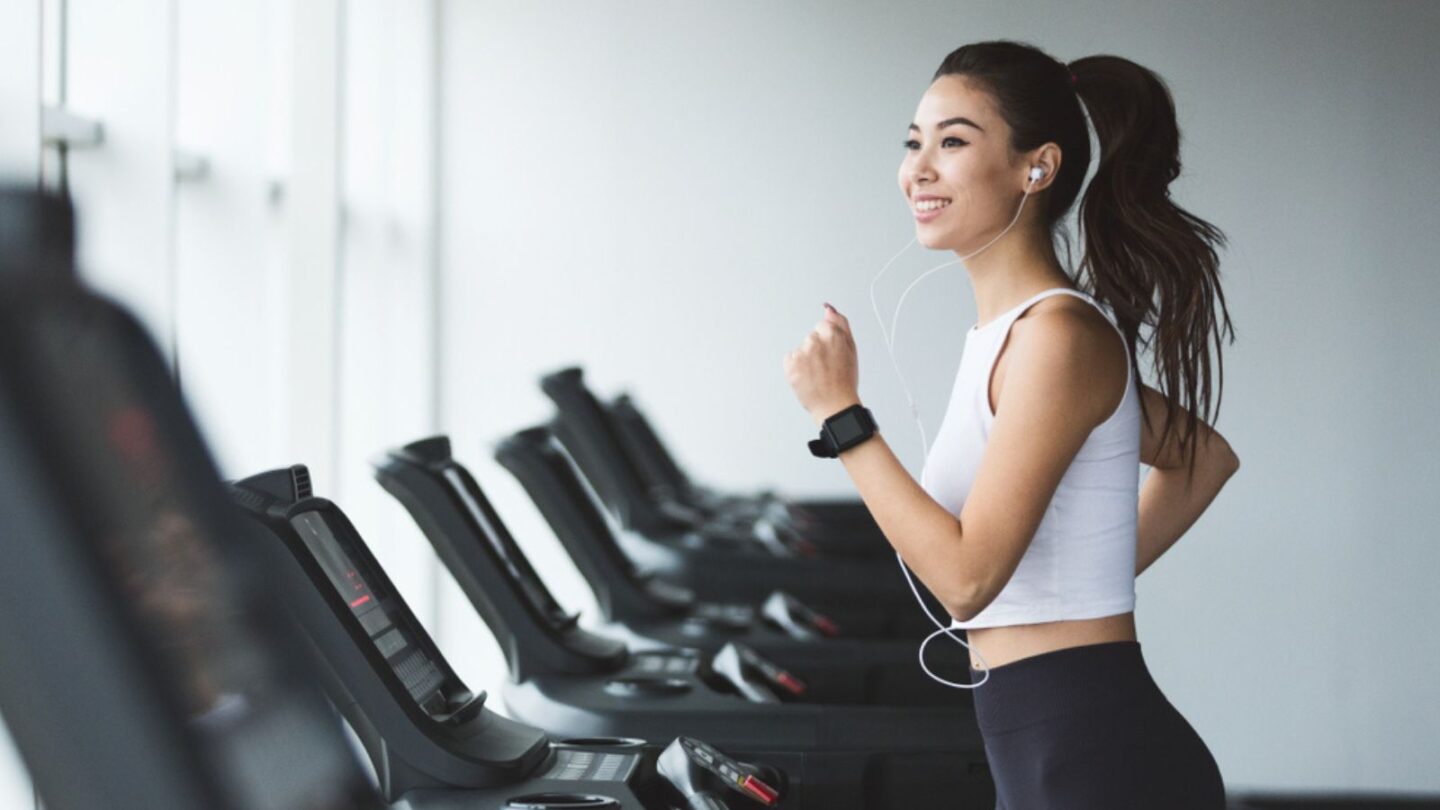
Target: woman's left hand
point(824, 371)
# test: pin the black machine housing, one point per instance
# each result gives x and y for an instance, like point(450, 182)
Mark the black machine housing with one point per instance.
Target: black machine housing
point(432, 740)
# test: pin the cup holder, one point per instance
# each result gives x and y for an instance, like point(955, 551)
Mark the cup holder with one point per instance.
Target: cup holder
point(603, 742)
point(562, 801)
point(635, 687)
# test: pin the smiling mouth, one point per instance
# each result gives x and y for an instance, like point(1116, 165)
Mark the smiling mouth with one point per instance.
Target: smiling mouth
point(926, 206)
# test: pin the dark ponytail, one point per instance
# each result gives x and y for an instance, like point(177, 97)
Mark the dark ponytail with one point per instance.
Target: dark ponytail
point(1152, 262)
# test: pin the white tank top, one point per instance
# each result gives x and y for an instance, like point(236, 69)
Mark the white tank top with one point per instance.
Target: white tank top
point(1081, 562)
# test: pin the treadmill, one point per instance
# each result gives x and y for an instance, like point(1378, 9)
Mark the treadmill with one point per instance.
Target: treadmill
point(428, 735)
point(570, 681)
point(839, 526)
point(142, 667)
point(447, 503)
point(718, 561)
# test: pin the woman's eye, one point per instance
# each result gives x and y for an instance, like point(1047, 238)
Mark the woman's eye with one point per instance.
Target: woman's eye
point(913, 144)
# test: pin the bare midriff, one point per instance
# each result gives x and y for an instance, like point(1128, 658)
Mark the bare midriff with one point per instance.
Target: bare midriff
point(1006, 645)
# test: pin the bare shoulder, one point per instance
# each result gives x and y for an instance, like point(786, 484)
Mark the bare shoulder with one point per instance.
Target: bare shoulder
point(1062, 331)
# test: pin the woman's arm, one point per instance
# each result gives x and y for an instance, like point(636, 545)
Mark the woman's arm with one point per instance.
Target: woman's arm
point(927, 536)
point(1170, 500)
point(1046, 409)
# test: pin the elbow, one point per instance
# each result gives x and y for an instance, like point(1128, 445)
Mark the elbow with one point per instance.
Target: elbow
point(963, 597)
point(1230, 463)
point(963, 604)
point(961, 613)
point(1225, 459)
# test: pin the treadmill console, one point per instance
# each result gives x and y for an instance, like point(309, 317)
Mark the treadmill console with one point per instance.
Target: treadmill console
point(327, 538)
point(390, 629)
point(121, 450)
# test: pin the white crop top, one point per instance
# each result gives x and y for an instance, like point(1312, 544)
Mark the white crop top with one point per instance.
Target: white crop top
point(1081, 562)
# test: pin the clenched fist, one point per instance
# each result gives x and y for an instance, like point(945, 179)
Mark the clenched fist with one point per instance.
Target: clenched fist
point(824, 371)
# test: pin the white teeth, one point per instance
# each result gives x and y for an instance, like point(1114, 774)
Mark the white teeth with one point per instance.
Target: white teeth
point(931, 205)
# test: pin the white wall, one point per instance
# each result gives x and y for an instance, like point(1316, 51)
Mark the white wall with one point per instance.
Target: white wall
point(667, 193)
point(123, 190)
point(20, 92)
point(229, 275)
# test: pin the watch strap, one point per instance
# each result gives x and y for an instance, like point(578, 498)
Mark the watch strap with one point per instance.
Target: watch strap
point(822, 447)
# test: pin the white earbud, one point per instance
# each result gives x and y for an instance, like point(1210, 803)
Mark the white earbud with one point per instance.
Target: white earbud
point(1037, 172)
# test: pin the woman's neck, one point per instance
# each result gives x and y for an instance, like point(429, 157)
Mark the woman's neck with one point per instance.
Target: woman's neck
point(1010, 272)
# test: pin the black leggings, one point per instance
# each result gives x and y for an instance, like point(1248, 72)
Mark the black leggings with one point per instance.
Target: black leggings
point(1086, 728)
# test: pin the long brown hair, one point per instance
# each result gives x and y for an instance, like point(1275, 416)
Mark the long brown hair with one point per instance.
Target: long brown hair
point(1151, 261)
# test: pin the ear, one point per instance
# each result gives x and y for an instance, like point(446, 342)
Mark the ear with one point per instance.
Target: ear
point(1047, 157)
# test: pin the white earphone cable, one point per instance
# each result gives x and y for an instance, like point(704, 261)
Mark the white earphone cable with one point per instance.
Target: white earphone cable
point(889, 338)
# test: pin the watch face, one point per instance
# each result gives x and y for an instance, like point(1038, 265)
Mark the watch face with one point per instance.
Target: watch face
point(846, 427)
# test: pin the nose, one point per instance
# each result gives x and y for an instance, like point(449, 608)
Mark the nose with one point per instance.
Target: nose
point(921, 171)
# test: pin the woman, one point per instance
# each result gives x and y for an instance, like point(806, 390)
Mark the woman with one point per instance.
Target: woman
point(1029, 524)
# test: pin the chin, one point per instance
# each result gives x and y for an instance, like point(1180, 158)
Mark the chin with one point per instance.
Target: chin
point(932, 239)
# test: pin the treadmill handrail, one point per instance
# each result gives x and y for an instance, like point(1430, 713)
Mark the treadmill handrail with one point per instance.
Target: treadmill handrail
point(535, 459)
point(536, 634)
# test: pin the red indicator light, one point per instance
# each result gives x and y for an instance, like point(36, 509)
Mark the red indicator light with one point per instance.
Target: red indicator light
point(794, 684)
point(826, 626)
point(766, 794)
point(362, 600)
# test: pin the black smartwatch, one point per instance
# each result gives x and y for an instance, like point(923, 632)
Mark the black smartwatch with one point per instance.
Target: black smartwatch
point(843, 431)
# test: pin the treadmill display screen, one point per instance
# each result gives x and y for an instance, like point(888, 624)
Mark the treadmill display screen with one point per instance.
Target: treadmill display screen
point(154, 505)
point(390, 634)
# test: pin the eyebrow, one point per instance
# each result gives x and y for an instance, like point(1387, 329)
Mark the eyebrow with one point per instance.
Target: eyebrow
point(950, 122)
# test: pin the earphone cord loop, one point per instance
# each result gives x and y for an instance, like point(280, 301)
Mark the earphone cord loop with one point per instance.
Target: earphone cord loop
point(889, 338)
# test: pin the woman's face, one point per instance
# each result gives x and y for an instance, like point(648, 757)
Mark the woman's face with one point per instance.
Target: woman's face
point(958, 176)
